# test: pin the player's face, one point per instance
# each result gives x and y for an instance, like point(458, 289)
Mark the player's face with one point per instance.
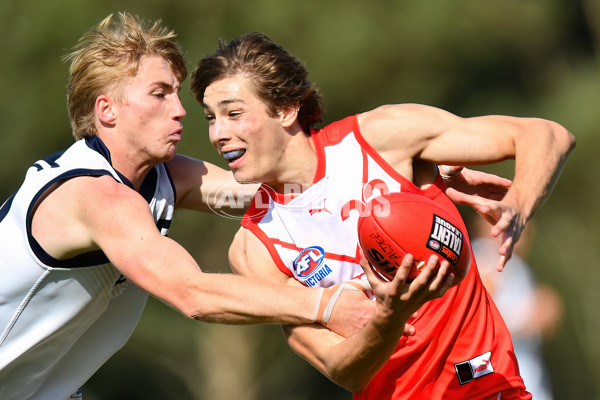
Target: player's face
point(250, 139)
point(150, 112)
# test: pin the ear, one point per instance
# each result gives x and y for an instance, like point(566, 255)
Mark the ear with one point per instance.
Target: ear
point(288, 116)
point(105, 109)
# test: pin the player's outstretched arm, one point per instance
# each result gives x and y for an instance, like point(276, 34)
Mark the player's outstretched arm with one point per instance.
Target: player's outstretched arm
point(352, 362)
point(205, 187)
point(117, 220)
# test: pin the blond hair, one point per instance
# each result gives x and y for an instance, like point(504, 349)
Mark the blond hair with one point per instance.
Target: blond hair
point(106, 57)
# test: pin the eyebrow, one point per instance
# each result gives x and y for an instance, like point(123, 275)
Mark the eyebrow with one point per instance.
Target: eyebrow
point(166, 86)
point(224, 103)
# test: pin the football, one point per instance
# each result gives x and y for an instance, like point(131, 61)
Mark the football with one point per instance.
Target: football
point(397, 224)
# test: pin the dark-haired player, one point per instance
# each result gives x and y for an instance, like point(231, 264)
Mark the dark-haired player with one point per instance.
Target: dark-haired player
point(261, 109)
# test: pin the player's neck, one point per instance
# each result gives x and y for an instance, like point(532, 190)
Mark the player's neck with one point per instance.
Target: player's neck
point(298, 167)
point(131, 164)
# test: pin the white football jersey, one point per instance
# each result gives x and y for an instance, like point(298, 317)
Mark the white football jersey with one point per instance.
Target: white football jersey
point(60, 320)
point(313, 236)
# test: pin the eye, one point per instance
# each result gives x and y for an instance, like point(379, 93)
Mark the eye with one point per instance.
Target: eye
point(209, 117)
point(234, 114)
point(159, 95)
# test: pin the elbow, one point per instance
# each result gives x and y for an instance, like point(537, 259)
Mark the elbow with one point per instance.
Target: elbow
point(354, 386)
point(194, 305)
point(355, 383)
point(192, 311)
point(214, 313)
point(564, 140)
point(570, 142)
point(357, 388)
point(202, 314)
point(197, 315)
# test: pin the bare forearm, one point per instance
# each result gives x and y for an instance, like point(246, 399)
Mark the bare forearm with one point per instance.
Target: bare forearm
point(168, 272)
point(361, 357)
point(540, 158)
point(351, 363)
point(233, 299)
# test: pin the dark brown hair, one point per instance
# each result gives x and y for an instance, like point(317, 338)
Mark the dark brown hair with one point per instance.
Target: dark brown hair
point(279, 78)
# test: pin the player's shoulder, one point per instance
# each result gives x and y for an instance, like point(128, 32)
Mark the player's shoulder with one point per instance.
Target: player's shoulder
point(249, 256)
point(102, 192)
point(239, 239)
point(395, 112)
point(82, 204)
point(100, 184)
point(243, 243)
point(412, 124)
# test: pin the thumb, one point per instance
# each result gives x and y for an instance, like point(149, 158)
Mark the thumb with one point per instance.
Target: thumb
point(373, 277)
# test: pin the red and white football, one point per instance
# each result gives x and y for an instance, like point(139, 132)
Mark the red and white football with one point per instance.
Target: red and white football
point(397, 224)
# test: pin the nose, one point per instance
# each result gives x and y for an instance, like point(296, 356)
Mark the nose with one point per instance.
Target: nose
point(218, 131)
point(178, 109)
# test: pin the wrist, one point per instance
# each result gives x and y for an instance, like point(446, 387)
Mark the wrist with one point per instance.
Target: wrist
point(328, 298)
point(389, 321)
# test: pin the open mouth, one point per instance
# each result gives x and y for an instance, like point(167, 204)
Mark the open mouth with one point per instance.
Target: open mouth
point(233, 155)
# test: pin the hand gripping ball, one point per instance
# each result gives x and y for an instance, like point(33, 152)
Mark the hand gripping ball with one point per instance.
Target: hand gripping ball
point(397, 224)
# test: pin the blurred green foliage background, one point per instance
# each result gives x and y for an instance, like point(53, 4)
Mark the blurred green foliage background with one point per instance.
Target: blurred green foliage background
point(523, 58)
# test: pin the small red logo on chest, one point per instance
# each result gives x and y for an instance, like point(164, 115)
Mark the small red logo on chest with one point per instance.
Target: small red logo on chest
point(318, 210)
